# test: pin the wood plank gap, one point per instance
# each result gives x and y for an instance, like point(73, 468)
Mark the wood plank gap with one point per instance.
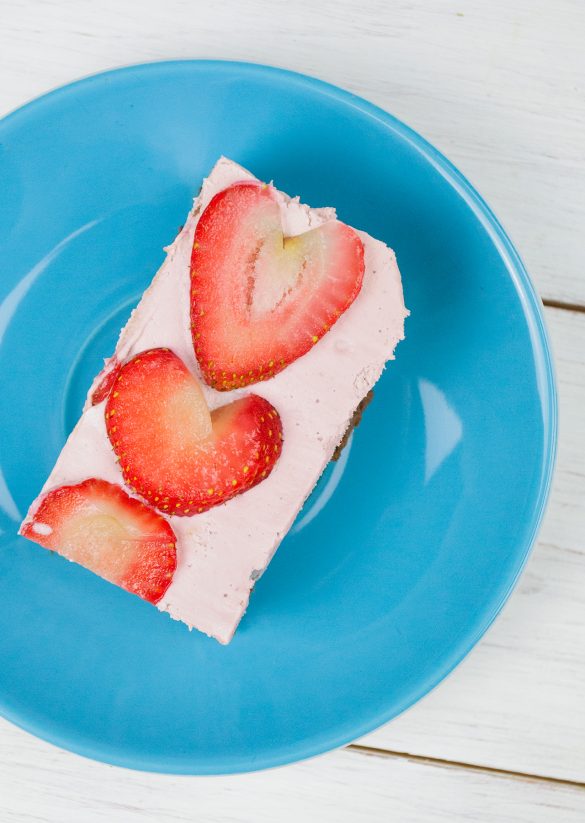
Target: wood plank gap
point(457, 764)
point(561, 304)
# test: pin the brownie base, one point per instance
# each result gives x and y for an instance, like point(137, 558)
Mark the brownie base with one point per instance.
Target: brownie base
point(355, 421)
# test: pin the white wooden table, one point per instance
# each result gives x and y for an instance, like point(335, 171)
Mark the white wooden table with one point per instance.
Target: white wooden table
point(500, 88)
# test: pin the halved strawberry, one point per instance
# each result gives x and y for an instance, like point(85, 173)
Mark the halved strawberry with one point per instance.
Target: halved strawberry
point(260, 300)
point(96, 524)
point(104, 387)
point(172, 450)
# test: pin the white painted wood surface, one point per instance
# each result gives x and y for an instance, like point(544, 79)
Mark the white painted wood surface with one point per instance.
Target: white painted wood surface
point(341, 787)
point(500, 88)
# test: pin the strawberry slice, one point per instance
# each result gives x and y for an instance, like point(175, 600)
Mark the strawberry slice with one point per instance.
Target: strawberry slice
point(96, 524)
point(172, 450)
point(260, 300)
point(104, 387)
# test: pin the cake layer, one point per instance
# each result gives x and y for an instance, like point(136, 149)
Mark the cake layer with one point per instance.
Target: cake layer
point(222, 552)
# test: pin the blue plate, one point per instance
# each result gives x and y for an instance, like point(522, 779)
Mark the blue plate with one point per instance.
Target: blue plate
point(408, 547)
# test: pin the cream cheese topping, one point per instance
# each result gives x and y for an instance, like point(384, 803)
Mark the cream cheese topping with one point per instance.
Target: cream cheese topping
point(221, 552)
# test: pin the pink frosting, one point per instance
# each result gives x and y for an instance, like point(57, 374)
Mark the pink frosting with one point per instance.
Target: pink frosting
point(223, 551)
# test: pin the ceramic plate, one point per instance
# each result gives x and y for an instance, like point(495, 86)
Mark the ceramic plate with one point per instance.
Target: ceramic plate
point(409, 545)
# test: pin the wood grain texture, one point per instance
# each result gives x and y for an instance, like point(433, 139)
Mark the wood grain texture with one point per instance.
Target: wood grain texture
point(517, 701)
point(499, 87)
point(341, 787)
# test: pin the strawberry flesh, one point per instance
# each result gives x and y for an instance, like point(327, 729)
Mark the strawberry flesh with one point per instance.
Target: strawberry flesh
point(98, 525)
point(260, 300)
point(176, 454)
point(104, 387)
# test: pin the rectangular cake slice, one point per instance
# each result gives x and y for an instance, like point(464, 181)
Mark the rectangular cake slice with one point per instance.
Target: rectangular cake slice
point(188, 515)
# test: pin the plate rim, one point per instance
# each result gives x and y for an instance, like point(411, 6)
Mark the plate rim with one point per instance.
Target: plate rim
point(532, 308)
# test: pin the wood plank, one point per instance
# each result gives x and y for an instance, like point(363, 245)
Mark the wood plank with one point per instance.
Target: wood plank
point(40, 784)
point(517, 701)
point(498, 87)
